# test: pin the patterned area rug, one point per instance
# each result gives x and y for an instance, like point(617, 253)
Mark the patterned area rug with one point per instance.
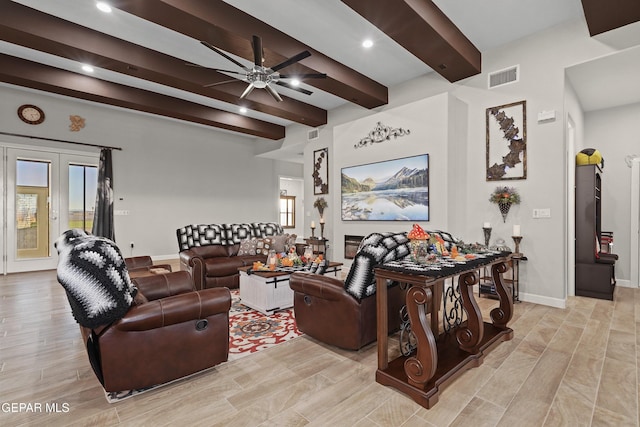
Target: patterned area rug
point(249, 332)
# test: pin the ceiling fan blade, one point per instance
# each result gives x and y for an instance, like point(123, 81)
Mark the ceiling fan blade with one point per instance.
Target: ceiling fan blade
point(273, 93)
point(247, 91)
point(221, 53)
point(257, 51)
point(222, 83)
point(215, 69)
point(303, 76)
point(296, 88)
point(291, 60)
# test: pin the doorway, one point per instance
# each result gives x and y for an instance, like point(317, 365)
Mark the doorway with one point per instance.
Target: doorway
point(40, 201)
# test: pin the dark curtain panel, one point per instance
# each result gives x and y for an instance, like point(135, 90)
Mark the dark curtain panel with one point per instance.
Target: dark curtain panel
point(103, 218)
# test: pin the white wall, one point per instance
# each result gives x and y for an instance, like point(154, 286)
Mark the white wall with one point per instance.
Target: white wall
point(169, 173)
point(614, 132)
point(542, 59)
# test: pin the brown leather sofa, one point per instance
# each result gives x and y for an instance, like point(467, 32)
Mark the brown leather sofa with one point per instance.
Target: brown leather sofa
point(172, 331)
point(326, 312)
point(210, 252)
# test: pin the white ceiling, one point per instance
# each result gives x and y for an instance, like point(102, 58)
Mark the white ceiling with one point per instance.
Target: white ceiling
point(329, 26)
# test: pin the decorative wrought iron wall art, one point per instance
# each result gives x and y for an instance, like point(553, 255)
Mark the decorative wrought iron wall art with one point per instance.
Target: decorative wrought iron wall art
point(321, 171)
point(507, 142)
point(381, 133)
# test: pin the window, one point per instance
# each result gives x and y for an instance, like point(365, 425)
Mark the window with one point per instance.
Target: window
point(288, 211)
point(83, 182)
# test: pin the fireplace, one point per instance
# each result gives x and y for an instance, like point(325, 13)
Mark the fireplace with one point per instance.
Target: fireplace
point(351, 244)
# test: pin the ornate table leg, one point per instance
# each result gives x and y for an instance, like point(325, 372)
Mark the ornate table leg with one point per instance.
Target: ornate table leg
point(422, 367)
point(470, 335)
point(501, 315)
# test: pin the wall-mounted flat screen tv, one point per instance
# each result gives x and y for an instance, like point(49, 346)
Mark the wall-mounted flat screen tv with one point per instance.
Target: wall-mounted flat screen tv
point(391, 190)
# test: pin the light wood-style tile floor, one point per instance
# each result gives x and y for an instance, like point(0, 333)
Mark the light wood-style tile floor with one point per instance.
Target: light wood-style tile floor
point(571, 367)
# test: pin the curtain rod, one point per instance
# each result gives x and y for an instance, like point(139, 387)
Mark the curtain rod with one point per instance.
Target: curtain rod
point(60, 140)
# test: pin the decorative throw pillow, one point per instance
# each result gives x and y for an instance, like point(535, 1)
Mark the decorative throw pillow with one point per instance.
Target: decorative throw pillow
point(264, 245)
point(248, 247)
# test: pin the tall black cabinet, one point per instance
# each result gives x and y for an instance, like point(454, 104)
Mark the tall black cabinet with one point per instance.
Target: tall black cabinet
point(595, 275)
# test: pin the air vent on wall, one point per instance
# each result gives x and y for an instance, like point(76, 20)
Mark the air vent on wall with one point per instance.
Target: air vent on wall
point(313, 134)
point(503, 77)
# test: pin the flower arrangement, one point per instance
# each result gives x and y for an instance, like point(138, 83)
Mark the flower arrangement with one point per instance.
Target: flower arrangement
point(320, 203)
point(505, 195)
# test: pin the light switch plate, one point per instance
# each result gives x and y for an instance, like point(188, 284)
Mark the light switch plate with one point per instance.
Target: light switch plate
point(542, 213)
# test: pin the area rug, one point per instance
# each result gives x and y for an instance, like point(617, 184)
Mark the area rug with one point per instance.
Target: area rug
point(249, 332)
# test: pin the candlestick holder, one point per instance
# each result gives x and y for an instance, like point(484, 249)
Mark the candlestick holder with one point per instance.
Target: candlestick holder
point(516, 240)
point(322, 230)
point(487, 235)
point(313, 232)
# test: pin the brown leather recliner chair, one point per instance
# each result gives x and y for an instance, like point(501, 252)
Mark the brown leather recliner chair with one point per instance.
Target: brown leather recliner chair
point(171, 332)
point(138, 266)
point(326, 312)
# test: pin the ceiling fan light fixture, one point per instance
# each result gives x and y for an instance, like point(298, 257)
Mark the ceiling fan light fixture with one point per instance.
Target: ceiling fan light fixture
point(295, 82)
point(104, 7)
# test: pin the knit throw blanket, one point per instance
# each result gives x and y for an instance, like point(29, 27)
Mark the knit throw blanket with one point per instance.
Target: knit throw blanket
point(92, 271)
point(376, 248)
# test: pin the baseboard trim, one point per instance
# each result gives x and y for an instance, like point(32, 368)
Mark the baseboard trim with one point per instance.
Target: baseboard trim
point(625, 283)
point(539, 299)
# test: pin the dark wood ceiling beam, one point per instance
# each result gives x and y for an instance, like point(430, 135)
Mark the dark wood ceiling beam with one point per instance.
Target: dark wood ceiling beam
point(603, 16)
point(49, 79)
point(36, 30)
point(425, 31)
point(231, 29)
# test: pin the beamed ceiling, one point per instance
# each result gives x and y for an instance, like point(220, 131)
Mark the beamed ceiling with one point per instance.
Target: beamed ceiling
point(141, 51)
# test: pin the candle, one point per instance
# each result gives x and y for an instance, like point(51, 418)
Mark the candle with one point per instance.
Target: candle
point(313, 224)
point(487, 225)
point(516, 230)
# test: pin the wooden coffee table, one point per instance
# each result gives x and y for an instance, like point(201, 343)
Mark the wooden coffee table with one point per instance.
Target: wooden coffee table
point(269, 291)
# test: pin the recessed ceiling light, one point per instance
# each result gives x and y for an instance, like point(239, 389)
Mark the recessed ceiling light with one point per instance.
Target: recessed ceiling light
point(103, 7)
point(243, 110)
point(87, 68)
point(367, 43)
point(295, 82)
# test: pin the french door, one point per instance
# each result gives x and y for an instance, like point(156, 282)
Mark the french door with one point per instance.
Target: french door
point(41, 201)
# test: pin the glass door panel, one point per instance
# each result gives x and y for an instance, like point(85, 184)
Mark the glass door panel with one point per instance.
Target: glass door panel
point(31, 209)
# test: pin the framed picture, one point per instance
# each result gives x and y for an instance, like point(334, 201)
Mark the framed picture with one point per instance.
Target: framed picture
point(392, 190)
point(507, 142)
point(321, 171)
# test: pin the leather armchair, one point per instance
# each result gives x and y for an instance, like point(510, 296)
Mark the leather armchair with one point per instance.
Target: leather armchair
point(171, 332)
point(326, 312)
point(142, 265)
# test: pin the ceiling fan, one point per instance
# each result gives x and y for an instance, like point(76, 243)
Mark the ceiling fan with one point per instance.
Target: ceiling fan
point(260, 76)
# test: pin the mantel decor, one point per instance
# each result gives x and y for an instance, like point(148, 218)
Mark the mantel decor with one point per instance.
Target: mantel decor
point(507, 142)
point(504, 197)
point(381, 133)
point(321, 171)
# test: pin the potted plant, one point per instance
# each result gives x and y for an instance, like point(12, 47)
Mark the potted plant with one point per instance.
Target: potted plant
point(504, 197)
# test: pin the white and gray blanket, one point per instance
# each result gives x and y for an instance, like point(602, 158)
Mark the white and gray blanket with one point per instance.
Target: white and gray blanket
point(93, 273)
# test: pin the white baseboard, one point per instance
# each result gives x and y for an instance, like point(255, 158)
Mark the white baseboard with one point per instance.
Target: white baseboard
point(539, 299)
point(165, 257)
point(625, 283)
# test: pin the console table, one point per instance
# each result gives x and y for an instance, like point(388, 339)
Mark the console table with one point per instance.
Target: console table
point(440, 357)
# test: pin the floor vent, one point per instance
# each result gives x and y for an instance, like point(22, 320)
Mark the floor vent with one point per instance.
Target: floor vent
point(313, 134)
point(503, 77)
